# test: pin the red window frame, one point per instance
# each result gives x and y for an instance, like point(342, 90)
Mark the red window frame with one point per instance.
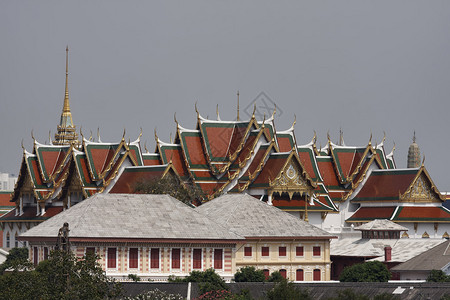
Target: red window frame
point(112, 258)
point(316, 251)
point(154, 258)
point(176, 257)
point(299, 275)
point(197, 259)
point(299, 251)
point(218, 259)
point(133, 258)
point(317, 275)
point(282, 251)
point(247, 251)
point(264, 251)
point(283, 273)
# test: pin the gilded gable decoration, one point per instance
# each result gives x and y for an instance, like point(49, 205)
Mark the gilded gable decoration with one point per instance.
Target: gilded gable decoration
point(422, 190)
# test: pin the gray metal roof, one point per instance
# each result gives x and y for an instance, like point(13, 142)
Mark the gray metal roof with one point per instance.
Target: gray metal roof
point(402, 249)
point(133, 216)
point(434, 259)
point(381, 224)
point(250, 217)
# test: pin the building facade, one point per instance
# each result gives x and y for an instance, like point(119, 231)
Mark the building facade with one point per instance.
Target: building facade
point(155, 236)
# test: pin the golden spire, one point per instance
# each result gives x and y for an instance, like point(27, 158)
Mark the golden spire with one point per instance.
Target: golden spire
point(66, 130)
point(66, 117)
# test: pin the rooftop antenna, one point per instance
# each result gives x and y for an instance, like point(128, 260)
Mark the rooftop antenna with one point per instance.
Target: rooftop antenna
point(238, 106)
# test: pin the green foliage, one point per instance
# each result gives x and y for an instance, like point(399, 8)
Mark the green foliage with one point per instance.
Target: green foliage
point(62, 276)
point(207, 280)
point(17, 259)
point(276, 277)
point(171, 185)
point(285, 290)
point(173, 278)
point(438, 276)
point(22, 285)
point(134, 277)
point(373, 271)
point(155, 294)
point(249, 274)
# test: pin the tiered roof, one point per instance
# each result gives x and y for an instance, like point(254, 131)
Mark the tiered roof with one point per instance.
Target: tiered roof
point(218, 156)
point(401, 195)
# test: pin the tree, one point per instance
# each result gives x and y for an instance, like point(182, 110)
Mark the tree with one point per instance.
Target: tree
point(188, 193)
point(285, 290)
point(17, 259)
point(373, 271)
point(62, 276)
point(207, 280)
point(249, 274)
point(276, 277)
point(438, 276)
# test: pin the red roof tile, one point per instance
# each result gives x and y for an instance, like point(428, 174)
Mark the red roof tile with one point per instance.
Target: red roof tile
point(372, 213)
point(415, 213)
point(386, 184)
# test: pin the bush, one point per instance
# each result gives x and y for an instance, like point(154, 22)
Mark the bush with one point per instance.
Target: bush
point(17, 259)
point(438, 276)
point(249, 274)
point(284, 290)
point(276, 277)
point(134, 277)
point(373, 271)
point(207, 280)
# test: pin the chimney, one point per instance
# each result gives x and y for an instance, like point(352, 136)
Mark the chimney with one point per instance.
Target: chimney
point(387, 253)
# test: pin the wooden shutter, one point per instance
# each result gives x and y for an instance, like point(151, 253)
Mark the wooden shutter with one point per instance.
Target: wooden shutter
point(218, 257)
point(299, 251)
point(197, 259)
point(282, 251)
point(316, 276)
point(154, 258)
point(112, 257)
point(299, 275)
point(45, 253)
point(283, 273)
point(35, 255)
point(316, 251)
point(247, 251)
point(176, 258)
point(133, 258)
point(265, 251)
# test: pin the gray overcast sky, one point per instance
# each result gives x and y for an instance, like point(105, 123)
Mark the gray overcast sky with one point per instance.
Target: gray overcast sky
point(363, 66)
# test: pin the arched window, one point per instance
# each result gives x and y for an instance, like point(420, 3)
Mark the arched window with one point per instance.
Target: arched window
point(283, 273)
point(299, 275)
point(316, 275)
